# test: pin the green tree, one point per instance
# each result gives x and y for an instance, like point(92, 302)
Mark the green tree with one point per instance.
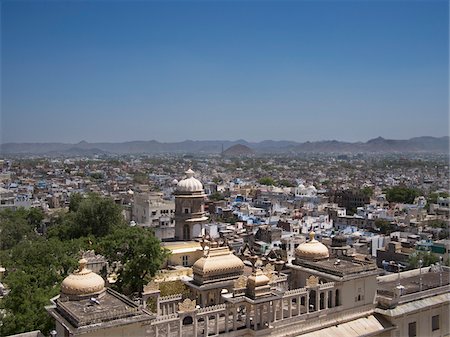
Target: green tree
point(268, 181)
point(139, 253)
point(88, 216)
point(15, 226)
point(384, 226)
point(286, 183)
point(401, 194)
point(75, 200)
point(35, 270)
point(216, 196)
point(427, 258)
point(367, 191)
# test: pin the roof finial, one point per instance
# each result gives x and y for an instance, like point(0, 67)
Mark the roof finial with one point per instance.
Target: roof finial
point(190, 173)
point(311, 235)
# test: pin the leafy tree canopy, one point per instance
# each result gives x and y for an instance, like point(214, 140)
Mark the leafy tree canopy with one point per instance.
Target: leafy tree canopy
point(268, 181)
point(401, 194)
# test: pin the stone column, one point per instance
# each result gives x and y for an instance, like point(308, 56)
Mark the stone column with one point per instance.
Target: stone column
point(326, 299)
point(234, 319)
point(195, 325)
point(180, 332)
point(168, 329)
point(156, 331)
point(206, 325)
point(247, 316)
point(290, 307)
point(317, 308)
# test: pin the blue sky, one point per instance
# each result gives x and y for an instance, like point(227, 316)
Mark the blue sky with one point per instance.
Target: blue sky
point(176, 70)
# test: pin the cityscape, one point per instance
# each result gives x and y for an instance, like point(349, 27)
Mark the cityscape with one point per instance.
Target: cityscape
point(224, 168)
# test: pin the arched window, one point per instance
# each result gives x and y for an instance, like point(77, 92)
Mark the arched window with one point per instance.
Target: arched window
point(338, 300)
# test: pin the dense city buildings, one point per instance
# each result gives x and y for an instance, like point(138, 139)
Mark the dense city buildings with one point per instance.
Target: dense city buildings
point(259, 246)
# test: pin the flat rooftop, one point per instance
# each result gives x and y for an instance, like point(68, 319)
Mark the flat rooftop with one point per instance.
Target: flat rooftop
point(339, 267)
point(411, 283)
point(110, 306)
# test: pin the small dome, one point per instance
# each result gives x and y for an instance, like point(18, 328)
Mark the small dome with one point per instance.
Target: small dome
point(312, 250)
point(190, 184)
point(258, 279)
point(339, 241)
point(82, 282)
point(220, 261)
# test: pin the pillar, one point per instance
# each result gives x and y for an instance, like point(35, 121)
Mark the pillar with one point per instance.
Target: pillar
point(234, 319)
point(317, 308)
point(326, 300)
point(290, 307)
point(206, 325)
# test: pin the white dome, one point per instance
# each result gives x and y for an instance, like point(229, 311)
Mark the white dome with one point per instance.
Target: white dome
point(190, 184)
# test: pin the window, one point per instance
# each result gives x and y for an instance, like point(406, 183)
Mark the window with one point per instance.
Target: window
point(185, 260)
point(412, 329)
point(154, 213)
point(435, 323)
point(186, 210)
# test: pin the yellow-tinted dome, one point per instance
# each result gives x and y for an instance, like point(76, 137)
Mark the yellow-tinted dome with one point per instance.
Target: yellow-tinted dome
point(82, 282)
point(312, 250)
point(220, 261)
point(190, 184)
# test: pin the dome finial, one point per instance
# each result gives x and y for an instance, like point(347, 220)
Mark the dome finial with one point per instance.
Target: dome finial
point(82, 264)
point(189, 173)
point(311, 235)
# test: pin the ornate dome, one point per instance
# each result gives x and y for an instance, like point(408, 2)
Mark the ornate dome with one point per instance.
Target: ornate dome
point(82, 282)
point(219, 262)
point(312, 250)
point(190, 184)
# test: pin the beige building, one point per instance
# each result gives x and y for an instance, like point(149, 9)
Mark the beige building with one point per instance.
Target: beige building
point(324, 295)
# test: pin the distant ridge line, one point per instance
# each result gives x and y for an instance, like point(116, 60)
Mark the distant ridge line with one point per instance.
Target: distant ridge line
point(425, 144)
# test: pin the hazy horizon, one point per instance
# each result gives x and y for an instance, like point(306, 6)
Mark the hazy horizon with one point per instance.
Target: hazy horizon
point(255, 70)
point(220, 140)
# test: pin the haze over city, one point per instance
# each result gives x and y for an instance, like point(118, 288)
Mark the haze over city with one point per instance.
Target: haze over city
point(170, 71)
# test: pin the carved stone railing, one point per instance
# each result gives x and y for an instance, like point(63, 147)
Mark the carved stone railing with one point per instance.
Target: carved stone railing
point(299, 291)
point(212, 308)
point(166, 318)
point(170, 298)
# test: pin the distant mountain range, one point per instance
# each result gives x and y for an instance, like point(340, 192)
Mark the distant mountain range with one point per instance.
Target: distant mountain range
point(377, 145)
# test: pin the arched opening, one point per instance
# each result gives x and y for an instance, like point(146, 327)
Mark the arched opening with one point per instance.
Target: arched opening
point(312, 300)
point(330, 302)
point(187, 320)
point(338, 301)
point(322, 301)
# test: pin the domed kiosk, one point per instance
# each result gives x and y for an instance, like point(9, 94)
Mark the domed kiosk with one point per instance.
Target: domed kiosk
point(312, 250)
point(215, 271)
point(189, 208)
point(82, 283)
